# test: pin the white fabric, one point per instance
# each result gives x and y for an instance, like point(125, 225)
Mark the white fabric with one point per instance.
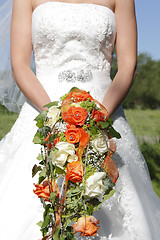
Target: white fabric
point(75, 36)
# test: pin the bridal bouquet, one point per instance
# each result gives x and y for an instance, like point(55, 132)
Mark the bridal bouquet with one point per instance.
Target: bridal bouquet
point(76, 172)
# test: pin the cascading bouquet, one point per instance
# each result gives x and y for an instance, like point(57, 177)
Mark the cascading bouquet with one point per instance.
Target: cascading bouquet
point(76, 172)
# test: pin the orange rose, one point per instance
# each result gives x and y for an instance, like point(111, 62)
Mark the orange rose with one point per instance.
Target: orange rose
point(98, 116)
point(42, 189)
point(76, 95)
point(79, 95)
point(74, 172)
point(72, 134)
point(75, 115)
point(87, 226)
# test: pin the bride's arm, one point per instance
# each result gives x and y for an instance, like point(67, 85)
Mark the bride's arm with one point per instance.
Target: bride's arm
point(21, 48)
point(126, 48)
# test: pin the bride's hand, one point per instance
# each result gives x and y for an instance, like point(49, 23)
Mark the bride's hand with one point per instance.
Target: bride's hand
point(126, 48)
point(21, 49)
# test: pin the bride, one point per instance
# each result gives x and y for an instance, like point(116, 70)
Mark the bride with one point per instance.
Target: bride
point(73, 43)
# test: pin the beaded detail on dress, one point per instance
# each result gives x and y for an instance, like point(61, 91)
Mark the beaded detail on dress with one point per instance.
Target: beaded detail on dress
point(73, 76)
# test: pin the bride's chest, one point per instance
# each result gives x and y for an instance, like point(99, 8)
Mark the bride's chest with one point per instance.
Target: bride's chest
point(67, 22)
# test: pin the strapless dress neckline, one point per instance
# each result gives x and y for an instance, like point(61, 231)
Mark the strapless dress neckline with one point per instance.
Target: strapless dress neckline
point(76, 4)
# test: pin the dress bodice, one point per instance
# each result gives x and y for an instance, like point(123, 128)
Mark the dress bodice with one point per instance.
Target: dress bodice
point(70, 35)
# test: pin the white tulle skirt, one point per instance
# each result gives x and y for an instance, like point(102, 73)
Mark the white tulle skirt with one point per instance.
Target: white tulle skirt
point(133, 213)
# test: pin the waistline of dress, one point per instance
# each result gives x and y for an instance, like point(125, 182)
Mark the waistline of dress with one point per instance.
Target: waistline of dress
point(82, 76)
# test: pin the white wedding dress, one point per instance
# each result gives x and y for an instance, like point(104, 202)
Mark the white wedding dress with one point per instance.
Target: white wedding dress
point(73, 46)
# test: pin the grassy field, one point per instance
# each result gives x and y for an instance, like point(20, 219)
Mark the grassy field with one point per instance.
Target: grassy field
point(145, 125)
point(6, 122)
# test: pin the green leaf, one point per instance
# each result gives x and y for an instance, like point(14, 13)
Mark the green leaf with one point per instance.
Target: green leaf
point(51, 104)
point(40, 123)
point(42, 175)
point(39, 157)
point(38, 138)
point(73, 88)
point(63, 97)
point(68, 221)
point(68, 234)
point(68, 215)
point(43, 172)
point(108, 195)
point(46, 220)
point(53, 197)
point(114, 133)
point(35, 169)
point(110, 121)
point(41, 116)
point(104, 124)
point(90, 209)
point(41, 179)
point(47, 208)
point(56, 233)
point(93, 129)
point(44, 130)
point(40, 223)
point(58, 170)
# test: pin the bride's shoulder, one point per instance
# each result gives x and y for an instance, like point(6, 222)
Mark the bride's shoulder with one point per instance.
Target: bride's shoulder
point(21, 6)
point(125, 6)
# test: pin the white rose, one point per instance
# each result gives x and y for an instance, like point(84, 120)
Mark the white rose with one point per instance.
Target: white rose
point(94, 186)
point(100, 144)
point(59, 157)
point(52, 116)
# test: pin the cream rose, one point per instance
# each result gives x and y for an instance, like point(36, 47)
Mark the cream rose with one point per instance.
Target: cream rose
point(100, 144)
point(94, 186)
point(52, 116)
point(65, 150)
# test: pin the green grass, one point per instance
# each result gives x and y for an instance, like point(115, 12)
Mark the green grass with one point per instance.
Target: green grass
point(6, 122)
point(145, 125)
point(7, 119)
point(151, 153)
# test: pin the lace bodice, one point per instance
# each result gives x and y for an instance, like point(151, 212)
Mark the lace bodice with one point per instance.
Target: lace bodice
point(69, 36)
